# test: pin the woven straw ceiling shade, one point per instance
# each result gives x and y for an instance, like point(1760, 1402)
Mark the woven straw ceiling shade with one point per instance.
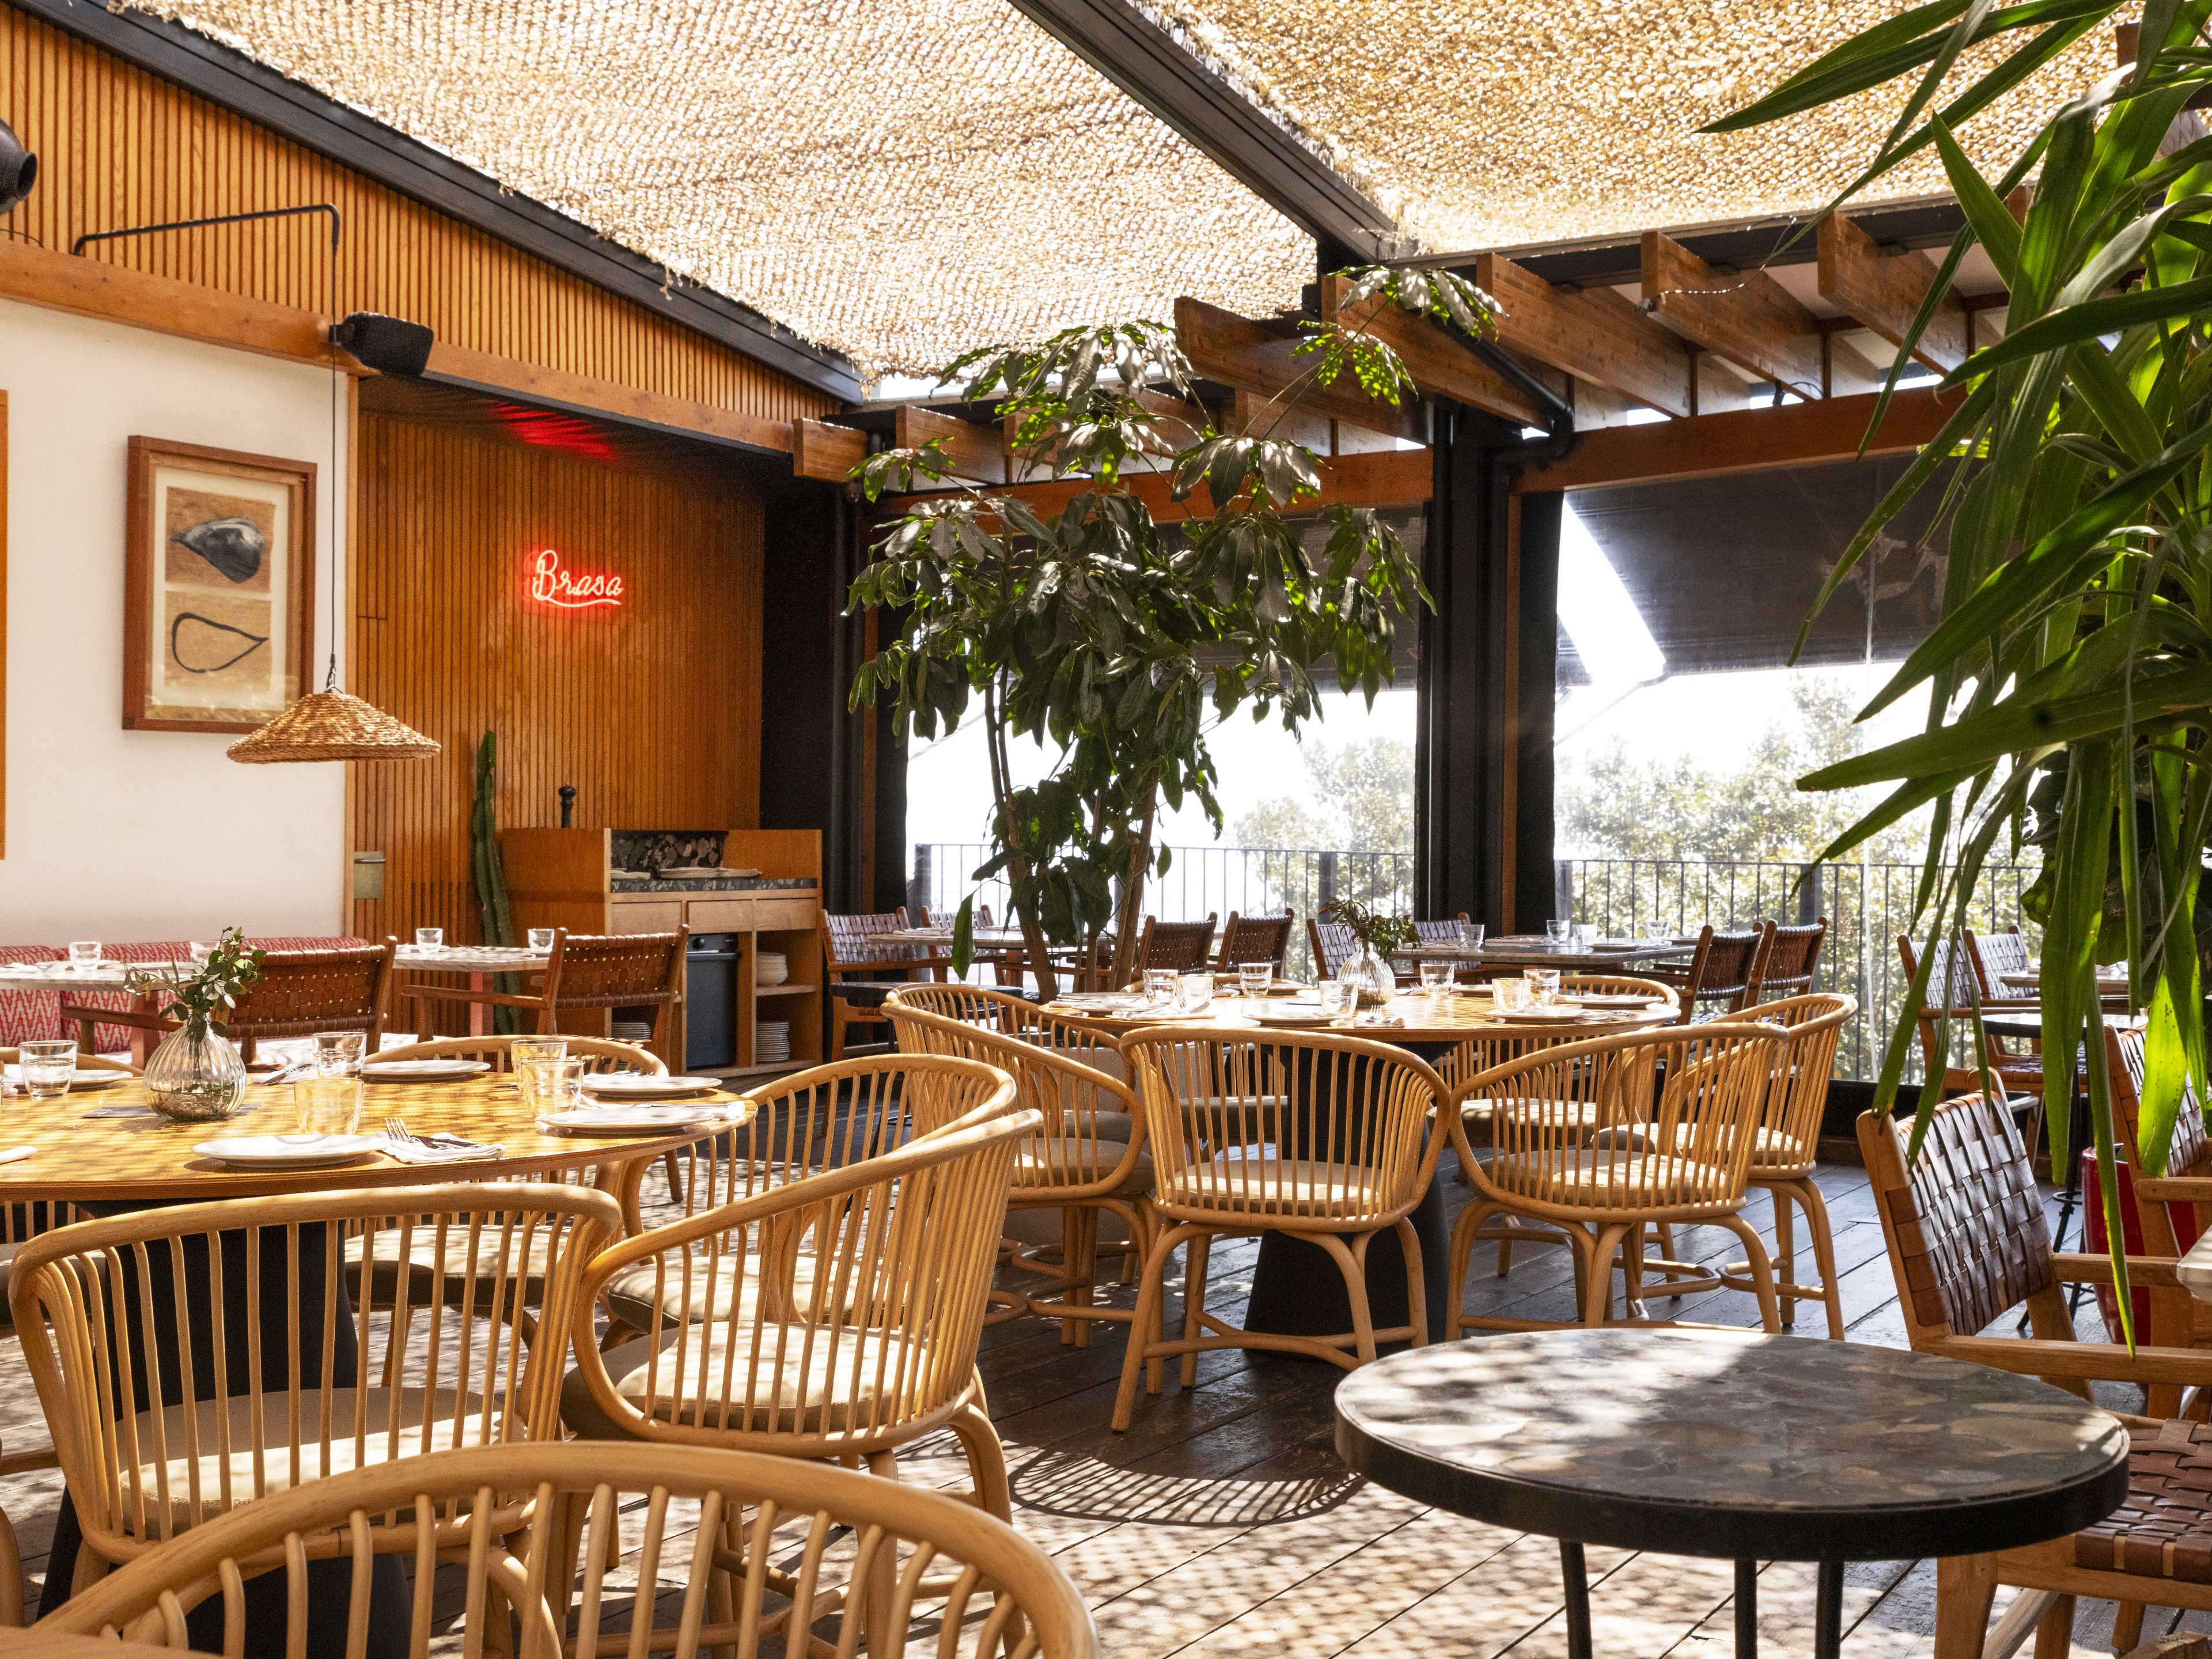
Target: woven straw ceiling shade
point(332, 725)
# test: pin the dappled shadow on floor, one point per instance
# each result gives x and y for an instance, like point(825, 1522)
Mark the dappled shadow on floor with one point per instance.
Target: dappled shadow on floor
point(1083, 1488)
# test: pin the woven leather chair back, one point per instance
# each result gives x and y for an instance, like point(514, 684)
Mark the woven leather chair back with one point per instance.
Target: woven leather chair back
point(1967, 1238)
point(1996, 955)
point(1722, 971)
point(789, 1525)
point(1092, 1128)
point(1791, 959)
point(2187, 1151)
point(847, 1305)
point(302, 991)
point(620, 970)
point(1334, 1131)
point(1255, 938)
point(1438, 933)
point(1332, 945)
point(1177, 947)
point(1789, 1123)
point(853, 940)
point(250, 1362)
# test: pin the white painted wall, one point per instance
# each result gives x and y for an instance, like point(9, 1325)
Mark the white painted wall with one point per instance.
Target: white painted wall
point(126, 835)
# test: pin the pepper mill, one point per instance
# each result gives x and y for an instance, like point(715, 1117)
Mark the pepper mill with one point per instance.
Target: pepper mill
point(567, 805)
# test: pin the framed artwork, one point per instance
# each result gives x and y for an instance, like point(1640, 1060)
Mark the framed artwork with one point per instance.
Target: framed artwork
point(218, 612)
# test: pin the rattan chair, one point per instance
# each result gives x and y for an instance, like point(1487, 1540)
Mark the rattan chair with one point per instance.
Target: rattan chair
point(1968, 1245)
point(590, 973)
point(299, 993)
point(1787, 1146)
point(1088, 1159)
point(1175, 947)
point(838, 1316)
point(291, 1379)
point(1604, 1138)
point(1255, 938)
point(1789, 961)
point(1327, 1139)
point(734, 1541)
point(599, 1055)
point(853, 954)
point(1717, 980)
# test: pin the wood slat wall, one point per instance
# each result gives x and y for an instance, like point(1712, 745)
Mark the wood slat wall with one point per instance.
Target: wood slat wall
point(118, 146)
point(652, 711)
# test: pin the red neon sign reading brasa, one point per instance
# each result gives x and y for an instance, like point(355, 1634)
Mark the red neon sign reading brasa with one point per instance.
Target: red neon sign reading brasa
point(551, 584)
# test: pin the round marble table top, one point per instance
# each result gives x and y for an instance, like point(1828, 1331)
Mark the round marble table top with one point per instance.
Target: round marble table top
point(1742, 1446)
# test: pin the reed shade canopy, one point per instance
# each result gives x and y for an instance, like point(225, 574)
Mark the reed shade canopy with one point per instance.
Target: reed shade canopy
point(895, 183)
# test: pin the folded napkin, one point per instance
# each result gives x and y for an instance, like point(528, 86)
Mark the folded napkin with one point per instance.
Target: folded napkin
point(441, 1149)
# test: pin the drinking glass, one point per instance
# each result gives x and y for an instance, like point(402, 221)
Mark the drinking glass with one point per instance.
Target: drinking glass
point(1160, 985)
point(48, 1064)
point(1543, 985)
point(1512, 994)
point(1253, 978)
point(83, 955)
point(1471, 934)
point(541, 939)
point(1557, 932)
point(1579, 937)
point(1194, 993)
point(338, 1053)
point(430, 939)
point(552, 1085)
point(199, 951)
point(327, 1105)
point(1337, 999)
point(526, 1053)
point(1436, 978)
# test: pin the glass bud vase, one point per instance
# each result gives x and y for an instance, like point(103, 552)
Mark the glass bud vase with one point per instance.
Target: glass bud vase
point(1370, 977)
point(196, 1077)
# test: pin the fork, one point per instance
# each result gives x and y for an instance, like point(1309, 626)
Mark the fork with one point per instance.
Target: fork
point(396, 1131)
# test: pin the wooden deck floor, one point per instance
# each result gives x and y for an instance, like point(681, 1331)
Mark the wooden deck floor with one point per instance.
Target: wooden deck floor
point(1223, 1525)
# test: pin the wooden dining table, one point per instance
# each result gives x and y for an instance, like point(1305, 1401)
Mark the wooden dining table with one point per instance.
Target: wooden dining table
point(1296, 1287)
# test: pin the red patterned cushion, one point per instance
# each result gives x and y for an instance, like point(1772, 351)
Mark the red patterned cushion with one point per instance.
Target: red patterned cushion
point(29, 1016)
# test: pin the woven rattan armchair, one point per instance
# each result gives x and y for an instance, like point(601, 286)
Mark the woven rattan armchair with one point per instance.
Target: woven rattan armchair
point(1604, 1138)
point(1255, 938)
point(291, 1379)
point(714, 1532)
point(1089, 1158)
point(299, 993)
point(841, 1312)
point(1968, 1245)
point(1327, 1139)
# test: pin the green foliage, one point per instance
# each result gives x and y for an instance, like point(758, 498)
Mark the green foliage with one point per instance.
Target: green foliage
point(1440, 294)
point(1359, 799)
point(201, 998)
point(1383, 932)
point(488, 872)
point(1104, 637)
point(2077, 613)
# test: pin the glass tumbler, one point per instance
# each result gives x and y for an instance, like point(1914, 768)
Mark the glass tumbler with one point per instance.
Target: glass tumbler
point(551, 1086)
point(83, 955)
point(1253, 978)
point(1558, 932)
point(1471, 935)
point(1511, 994)
point(1160, 985)
point(1337, 999)
point(526, 1053)
point(1436, 978)
point(327, 1105)
point(338, 1054)
point(430, 939)
point(1194, 993)
point(541, 939)
point(48, 1066)
point(1543, 985)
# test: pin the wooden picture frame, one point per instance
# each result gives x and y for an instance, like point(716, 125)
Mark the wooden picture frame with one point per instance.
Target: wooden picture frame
point(219, 581)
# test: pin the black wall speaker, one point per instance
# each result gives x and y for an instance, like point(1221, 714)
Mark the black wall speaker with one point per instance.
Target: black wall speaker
point(19, 169)
point(387, 344)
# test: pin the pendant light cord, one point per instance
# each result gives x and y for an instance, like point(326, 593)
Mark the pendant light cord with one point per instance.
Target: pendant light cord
point(335, 493)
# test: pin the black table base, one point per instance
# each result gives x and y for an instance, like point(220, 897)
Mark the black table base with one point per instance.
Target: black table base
point(1828, 1607)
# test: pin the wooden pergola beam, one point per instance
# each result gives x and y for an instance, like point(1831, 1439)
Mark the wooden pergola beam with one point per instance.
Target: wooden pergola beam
point(1597, 335)
point(1746, 318)
point(822, 449)
point(975, 452)
point(1440, 365)
point(1885, 291)
point(1382, 477)
point(1262, 357)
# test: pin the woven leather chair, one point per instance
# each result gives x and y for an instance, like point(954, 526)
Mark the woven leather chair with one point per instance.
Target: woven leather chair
point(1333, 944)
point(708, 1525)
point(1721, 971)
point(1993, 956)
point(1968, 1245)
point(1325, 1139)
point(1603, 1138)
point(853, 954)
point(1788, 960)
point(1255, 938)
point(585, 973)
point(1088, 1159)
point(837, 1316)
point(195, 1440)
point(1952, 1004)
point(299, 993)
point(1177, 947)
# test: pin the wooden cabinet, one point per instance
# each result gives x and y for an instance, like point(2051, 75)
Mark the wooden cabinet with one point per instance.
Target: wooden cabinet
point(563, 878)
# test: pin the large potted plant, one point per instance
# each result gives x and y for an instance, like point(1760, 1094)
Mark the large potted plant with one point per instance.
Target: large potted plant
point(1110, 640)
point(2069, 678)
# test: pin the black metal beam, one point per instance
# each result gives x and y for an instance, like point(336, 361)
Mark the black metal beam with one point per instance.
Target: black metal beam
point(376, 151)
point(1164, 76)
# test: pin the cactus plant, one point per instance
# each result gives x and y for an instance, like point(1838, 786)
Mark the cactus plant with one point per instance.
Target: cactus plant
point(490, 873)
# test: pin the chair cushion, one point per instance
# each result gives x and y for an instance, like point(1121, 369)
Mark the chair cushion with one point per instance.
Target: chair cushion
point(1273, 1185)
point(1069, 1161)
point(800, 1377)
point(2163, 1529)
point(732, 1287)
point(1606, 1182)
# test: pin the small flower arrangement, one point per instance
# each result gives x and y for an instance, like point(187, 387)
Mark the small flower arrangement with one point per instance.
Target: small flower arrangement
point(1383, 932)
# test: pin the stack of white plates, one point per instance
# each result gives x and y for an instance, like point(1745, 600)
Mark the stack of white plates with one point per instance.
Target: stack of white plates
point(771, 968)
point(772, 1042)
point(633, 1031)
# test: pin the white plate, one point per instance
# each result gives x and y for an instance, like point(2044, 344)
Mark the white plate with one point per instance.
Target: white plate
point(1609, 999)
point(1291, 1013)
point(613, 1119)
point(1539, 1016)
point(421, 1071)
point(632, 1086)
point(80, 1079)
point(289, 1151)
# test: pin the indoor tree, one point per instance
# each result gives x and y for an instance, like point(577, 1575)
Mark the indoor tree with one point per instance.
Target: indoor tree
point(1112, 641)
point(2071, 669)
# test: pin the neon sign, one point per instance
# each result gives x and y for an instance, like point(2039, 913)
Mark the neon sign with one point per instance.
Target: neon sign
point(551, 584)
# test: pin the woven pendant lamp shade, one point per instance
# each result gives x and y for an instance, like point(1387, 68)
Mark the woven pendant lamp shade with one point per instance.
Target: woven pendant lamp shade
point(332, 725)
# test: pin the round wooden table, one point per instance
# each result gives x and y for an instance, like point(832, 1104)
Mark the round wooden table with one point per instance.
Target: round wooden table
point(1297, 1288)
point(1732, 1445)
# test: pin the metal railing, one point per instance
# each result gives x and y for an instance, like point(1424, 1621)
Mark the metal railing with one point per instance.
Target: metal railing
point(1867, 905)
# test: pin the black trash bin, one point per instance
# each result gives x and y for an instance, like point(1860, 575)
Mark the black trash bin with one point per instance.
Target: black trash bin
point(710, 1002)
